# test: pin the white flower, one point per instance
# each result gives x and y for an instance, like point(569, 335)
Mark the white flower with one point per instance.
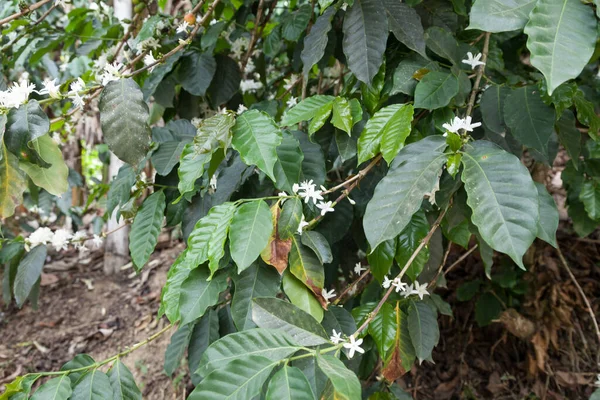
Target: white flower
point(97, 240)
point(40, 236)
point(183, 27)
point(212, 21)
point(77, 100)
point(386, 282)
point(325, 207)
point(61, 3)
point(358, 268)
point(336, 337)
point(328, 295)
point(60, 240)
point(150, 60)
point(351, 201)
point(468, 126)
point(295, 188)
point(51, 89)
point(420, 290)
point(292, 102)
point(241, 109)
point(213, 182)
point(111, 73)
point(78, 85)
point(16, 95)
point(473, 61)
point(183, 42)
point(454, 126)
point(306, 185)
point(250, 86)
point(238, 46)
point(308, 192)
point(354, 346)
point(150, 43)
point(303, 223)
point(408, 291)
point(400, 286)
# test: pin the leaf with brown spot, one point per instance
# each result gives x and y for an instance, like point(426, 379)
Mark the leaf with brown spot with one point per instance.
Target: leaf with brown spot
point(402, 355)
point(277, 251)
point(305, 265)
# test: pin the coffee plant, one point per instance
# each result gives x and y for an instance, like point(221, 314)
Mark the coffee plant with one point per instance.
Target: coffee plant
point(319, 157)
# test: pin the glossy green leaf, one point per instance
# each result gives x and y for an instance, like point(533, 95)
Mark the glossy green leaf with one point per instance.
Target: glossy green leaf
point(249, 234)
point(272, 313)
point(124, 118)
point(423, 329)
point(500, 16)
point(28, 273)
point(340, 319)
point(79, 361)
point(195, 72)
point(214, 133)
point(383, 328)
point(123, 382)
point(290, 217)
point(198, 293)
point(365, 36)
point(413, 174)
point(548, 223)
point(55, 389)
point(568, 134)
point(316, 40)
point(12, 184)
point(561, 38)
point(408, 241)
point(256, 138)
point(176, 348)
point(319, 245)
point(405, 24)
point(23, 125)
point(271, 344)
point(145, 229)
point(306, 109)
point(54, 178)
point(503, 198)
point(381, 259)
point(120, 188)
point(590, 197)
point(289, 383)
point(435, 90)
point(492, 107)
point(346, 385)
point(301, 296)
point(205, 332)
point(94, 385)
point(342, 115)
point(305, 265)
point(288, 167)
point(295, 23)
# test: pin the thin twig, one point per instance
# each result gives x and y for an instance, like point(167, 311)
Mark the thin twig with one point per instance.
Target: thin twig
point(350, 286)
point(254, 37)
point(127, 35)
point(24, 11)
point(454, 264)
point(480, 69)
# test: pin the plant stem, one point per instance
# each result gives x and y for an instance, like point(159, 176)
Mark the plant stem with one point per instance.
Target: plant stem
point(350, 286)
point(486, 48)
point(23, 12)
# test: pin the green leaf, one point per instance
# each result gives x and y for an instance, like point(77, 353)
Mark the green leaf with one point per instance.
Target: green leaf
point(288, 167)
point(120, 188)
point(568, 134)
point(590, 197)
point(306, 109)
point(319, 119)
point(301, 296)
point(124, 118)
point(12, 184)
point(408, 241)
point(256, 281)
point(241, 379)
point(146, 228)
point(405, 24)
point(338, 318)
point(25, 124)
point(346, 145)
point(444, 44)
point(294, 23)
point(381, 259)
point(176, 348)
point(196, 71)
point(487, 309)
point(249, 234)
point(548, 223)
point(94, 385)
point(79, 361)
point(198, 293)
point(500, 16)
point(177, 134)
point(270, 344)
point(401, 356)
point(386, 131)
point(346, 385)
point(290, 217)
point(342, 115)
point(226, 82)
point(205, 332)
point(503, 198)
point(561, 39)
point(289, 383)
point(383, 329)
point(365, 37)
point(123, 382)
point(305, 265)
point(319, 245)
point(54, 178)
point(413, 174)
point(492, 107)
point(404, 76)
point(315, 42)
point(30, 270)
point(272, 313)
point(313, 165)
point(586, 113)
point(207, 240)
point(155, 78)
point(423, 329)
point(435, 90)
point(529, 119)
point(214, 133)
point(55, 389)
point(256, 137)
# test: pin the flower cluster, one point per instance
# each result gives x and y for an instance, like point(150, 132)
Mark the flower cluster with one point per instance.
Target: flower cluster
point(352, 345)
point(459, 123)
point(60, 239)
point(405, 289)
point(16, 95)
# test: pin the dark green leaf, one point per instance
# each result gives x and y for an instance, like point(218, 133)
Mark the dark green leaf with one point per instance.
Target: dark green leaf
point(492, 107)
point(176, 348)
point(500, 16)
point(568, 134)
point(435, 90)
point(206, 331)
point(30, 270)
point(408, 241)
point(315, 42)
point(382, 258)
point(289, 383)
point(294, 23)
point(197, 293)
point(146, 228)
point(319, 245)
point(346, 385)
point(383, 329)
point(290, 217)
point(79, 361)
point(548, 223)
point(487, 309)
point(249, 234)
point(405, 23)
point(226, 81)
point(288, 167)
point(94, 385)
point(195, 72)
point(25, 124)
point(423, 329)
point(123, 382)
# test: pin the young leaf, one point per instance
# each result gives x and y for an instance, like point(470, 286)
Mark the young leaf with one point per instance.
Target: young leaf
point(30, 270)
point(124, 118)
point(500, 16)
point(435, 90)
point(249, 234)
point(176, 348)
point(561, 39)
point(405, 24)
point(305, 265)
point(289, 383)
point(346, 385)
point(306, 109)
point(55, 389)
point(548, 223)
point(342, 115)
point(12, 184)
point(270, 344)
point(412, 174)
point(365, 36)
point(301, 296)
point(54, 178)
point(272, 313)
point(241, 379)
point(146, 228)
point(256, 281)
point(503, 198)
point(123, 382)
point(315, 42)
point(94, 385)
point(423, 329)
point(256, 137)
point(198, 293)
